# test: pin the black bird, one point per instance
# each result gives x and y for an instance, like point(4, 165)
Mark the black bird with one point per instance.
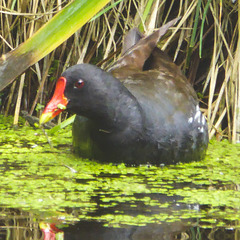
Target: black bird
point(142, 110)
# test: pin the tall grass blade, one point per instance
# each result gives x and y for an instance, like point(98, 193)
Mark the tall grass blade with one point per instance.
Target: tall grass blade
point(193, 38)
point(202, 27)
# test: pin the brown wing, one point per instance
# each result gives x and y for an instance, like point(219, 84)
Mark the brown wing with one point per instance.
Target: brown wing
point(133, 60)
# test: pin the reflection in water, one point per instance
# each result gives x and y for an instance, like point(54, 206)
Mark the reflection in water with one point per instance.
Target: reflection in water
point(164, 231)
point(94, 230)
point(19, 225)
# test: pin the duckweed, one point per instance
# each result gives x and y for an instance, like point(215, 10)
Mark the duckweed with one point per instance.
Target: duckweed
point(35, 177)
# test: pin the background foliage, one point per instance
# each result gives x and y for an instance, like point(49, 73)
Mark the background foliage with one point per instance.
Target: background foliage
point(205, 44)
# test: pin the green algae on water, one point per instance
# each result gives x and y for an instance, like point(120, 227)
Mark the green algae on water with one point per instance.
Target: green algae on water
point(34, 178)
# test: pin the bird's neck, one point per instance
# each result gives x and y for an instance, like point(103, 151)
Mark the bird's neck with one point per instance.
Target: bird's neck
point(118, 110)
point(125, 112)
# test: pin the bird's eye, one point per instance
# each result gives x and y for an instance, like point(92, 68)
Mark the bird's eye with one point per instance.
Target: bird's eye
point(79, 84)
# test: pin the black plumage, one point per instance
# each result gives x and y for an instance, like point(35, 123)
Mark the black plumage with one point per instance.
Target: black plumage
point(142, 110)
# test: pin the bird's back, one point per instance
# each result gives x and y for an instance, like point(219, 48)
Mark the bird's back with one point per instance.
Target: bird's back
point(172, 118)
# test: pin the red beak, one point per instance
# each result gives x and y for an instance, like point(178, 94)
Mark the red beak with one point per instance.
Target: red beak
point(57, 104)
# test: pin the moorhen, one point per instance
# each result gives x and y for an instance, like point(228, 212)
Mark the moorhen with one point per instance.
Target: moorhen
point(141, 110)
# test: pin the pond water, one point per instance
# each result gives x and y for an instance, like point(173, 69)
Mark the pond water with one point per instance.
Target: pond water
point(43, 187)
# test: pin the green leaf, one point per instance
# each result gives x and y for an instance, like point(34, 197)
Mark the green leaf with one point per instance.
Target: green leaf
point(62, 124)
point(47, 38)
point(105, 10)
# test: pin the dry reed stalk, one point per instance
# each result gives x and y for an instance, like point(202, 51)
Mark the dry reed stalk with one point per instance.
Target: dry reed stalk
point(112, 31)
point(43, 80)
point(140, 6)
point(236, 114)
point(10, 97)
point(19, 99)
point(182, 33)
point(151, 24)
point(190, 9)
point(215, 127)
point(84, 49)
point(236, 76)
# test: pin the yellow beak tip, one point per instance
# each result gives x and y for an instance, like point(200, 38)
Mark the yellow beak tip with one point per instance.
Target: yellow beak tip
point(45, 117)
